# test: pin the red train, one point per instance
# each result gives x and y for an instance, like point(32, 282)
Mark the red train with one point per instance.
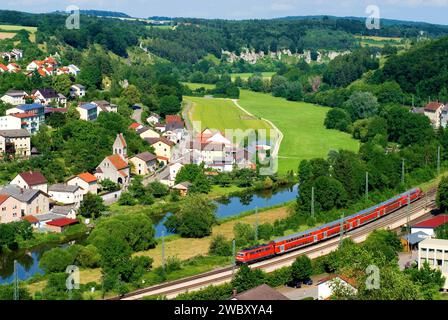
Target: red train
point(299, 240)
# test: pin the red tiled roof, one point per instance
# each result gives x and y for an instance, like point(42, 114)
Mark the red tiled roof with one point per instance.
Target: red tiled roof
point(173, 118)
point(2, 66)
point(123, 141)
point(62, 222)
point(41, 72)
point(433, 222)
point(162, 158)
point(134, 125)
point(33, 178)
point(124, 174)
point(348, 280)
point(117, 161)
point(24, 115)
point(3, 198)
point(30, 219)
point(433, 106)
point(87, 177)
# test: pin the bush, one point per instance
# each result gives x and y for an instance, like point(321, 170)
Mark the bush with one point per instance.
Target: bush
point(220, 246)
point(56, 260)
point(265, 231)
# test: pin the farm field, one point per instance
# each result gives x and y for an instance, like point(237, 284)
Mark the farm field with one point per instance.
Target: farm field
point(302, 125)
point(221, 114)
point(8, 31)
point(380, 42)
point(194, 86)
point(245, 76)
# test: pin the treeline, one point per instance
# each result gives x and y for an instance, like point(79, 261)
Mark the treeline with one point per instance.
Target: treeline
point(422, 71)
point(115, 35)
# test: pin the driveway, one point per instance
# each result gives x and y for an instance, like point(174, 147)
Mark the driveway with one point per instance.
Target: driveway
point(304, 292)
point(137, 115)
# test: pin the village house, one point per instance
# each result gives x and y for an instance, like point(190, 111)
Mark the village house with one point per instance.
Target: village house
point(60, 225)
point(66, 194)
point(182, 188)
point(74, 70)
point(326, 286)
point(135, 126)
point(169, 174)
point(32, 202)
point(159, 127)
point(434, 252)
point(444, 116)
point(15, 143)
point(115, 167)
point(3, 68)
point(48, 96)
point(433, 111)
point(87, 181)
point(14, 54)
point(28, 121)
point(146, 132)
point(13, 68)
point(77, 91)
point(105, 106)
point(143, 163)
point(428, 226)
point(31, 180)
point(153, 119)
point(10, 122)
point(162, 147)
point(87, 111)
point(47, 63)
point(35, 108)
point(14, 97)
point(67, 211)
point(9, 209)
point(260, 293)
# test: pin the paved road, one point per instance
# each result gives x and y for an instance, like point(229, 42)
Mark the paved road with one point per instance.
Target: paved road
point(137, 115)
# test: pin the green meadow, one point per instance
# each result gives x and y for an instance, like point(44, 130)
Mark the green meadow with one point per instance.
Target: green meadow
point(302, 125)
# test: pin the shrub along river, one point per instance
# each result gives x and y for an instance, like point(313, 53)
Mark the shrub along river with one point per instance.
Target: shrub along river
point(28, 260)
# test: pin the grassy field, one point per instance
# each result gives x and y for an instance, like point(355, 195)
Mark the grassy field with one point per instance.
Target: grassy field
point(380, 42)
point(181, 248)
point(302, 125)
point(8, 31)
point(221, 114)
point(245, 76)
point(194, 86)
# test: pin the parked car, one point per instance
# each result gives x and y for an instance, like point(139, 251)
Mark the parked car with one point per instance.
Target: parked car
point(308, 282)
point(294, 284)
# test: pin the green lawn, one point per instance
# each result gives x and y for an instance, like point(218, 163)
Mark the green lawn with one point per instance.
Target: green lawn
point(245, 76)
point(302, 125)
point(194, 86)
point(8, 27)
point(221, 114)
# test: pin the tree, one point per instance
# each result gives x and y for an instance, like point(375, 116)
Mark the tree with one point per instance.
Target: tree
point(7, 293)
point(329, 194)
point(56, 260)
point(194, 219)
point(442, 195)
point(301, 269)
point(61, 84)
point(220, 246)
point(108, 185)
point(442, 231)
point(131, 95)
point(278, 86)
point(200, 184)
point(361, 105)
point(189, 172)
point(247, 278)
point(56, 120)
point(294, 91)
point(169, 105)
point(429, 279)
point(92, 206)
point(338, 119)
point(244, 234)
point(158, 189)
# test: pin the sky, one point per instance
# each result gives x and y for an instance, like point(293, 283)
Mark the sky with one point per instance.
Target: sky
point(433, 11)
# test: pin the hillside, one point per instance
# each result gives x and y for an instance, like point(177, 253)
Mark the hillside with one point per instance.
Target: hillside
point(422, 70)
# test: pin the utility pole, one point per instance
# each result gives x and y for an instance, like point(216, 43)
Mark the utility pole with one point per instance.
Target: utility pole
point(367, 186)
point(402, 171)
point(341, 231)
point(312, 202)
point(234, 256)
point(256, 224)
point(163, 250)
point(438, 160)
point(16, 282)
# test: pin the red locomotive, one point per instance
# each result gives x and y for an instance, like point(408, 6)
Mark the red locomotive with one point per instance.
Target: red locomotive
point(299, 240)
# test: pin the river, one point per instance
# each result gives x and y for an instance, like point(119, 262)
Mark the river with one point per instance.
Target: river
point(28, 260)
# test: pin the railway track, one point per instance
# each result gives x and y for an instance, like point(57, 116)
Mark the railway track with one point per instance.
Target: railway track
point(392, 221)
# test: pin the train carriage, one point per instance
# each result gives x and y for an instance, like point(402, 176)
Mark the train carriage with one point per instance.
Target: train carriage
point(302, 239)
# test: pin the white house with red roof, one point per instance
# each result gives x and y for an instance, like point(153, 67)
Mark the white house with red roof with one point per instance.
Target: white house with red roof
point(433, 111)
point(31, 180)
point(326, 286)
point(13, 68)
point(87, 181)
point(428, 226)
point(116, 167)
